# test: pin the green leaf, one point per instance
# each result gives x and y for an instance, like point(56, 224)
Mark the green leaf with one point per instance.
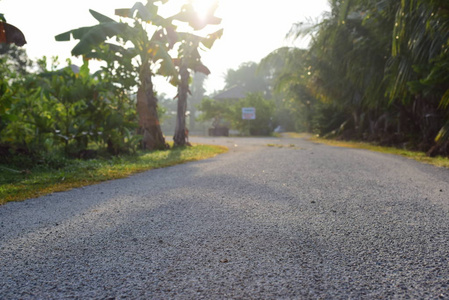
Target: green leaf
point(100, 18)
point(77, 34)
point(84, 70)
point(97, 35)
point(444, 103)
point(211, 38)
point(189, 37)
point(344, 10)
point(123, 12)
point(202, 69)
point(63, 37)
point(119, 49)
point(443, 135)
point(167, 66)
point(143, 12)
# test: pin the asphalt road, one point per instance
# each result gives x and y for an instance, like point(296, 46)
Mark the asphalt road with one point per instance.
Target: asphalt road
point(271, 219)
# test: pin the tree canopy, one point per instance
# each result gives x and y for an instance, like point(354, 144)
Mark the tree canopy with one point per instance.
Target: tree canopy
point(376, 70)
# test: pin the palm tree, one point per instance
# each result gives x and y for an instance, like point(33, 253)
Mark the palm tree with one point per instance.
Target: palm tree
point(420, 61)
point(343, 63)
point(382, 65)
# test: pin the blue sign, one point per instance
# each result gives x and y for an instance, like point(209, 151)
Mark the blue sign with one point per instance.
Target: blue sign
point(248, 113)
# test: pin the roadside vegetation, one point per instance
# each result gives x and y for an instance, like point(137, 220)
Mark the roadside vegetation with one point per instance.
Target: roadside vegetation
point(65, 126)
point(375, 71)
point(61, 174)
point(65, 110)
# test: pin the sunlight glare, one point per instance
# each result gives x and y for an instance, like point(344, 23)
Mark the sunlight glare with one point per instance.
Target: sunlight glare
point(202, 7)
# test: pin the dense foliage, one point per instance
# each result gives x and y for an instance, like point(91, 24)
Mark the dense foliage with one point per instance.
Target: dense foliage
point(228, 113)
point(50, 113)
point(255, 83)
point(376, 70)
point(63, 112)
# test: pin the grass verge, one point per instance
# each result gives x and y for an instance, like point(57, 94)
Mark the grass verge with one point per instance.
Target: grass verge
point(418, 156)
point(41, 180)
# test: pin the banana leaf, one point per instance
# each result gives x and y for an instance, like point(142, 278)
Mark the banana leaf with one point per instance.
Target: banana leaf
point(11, 35)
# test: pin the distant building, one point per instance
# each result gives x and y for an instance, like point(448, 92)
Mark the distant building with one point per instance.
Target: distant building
point(234, 93)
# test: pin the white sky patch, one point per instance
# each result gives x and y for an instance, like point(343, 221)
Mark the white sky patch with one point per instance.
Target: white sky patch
point(202, 7)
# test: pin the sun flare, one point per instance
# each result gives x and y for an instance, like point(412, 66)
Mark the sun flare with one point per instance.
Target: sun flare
point(203, 7)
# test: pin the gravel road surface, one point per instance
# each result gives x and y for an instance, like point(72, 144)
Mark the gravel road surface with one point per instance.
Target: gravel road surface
point(271, 219)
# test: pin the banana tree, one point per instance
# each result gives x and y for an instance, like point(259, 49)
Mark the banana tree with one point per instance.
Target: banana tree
point(149, 55)
point(189, 59)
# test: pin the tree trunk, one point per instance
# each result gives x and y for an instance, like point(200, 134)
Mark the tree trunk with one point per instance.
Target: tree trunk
point(183, 88)
point(150, 128)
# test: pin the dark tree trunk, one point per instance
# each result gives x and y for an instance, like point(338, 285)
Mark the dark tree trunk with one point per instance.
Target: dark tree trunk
point(150, 128)
point(180, 137)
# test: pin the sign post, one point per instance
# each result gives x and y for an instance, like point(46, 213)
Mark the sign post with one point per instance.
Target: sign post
point(249, 113)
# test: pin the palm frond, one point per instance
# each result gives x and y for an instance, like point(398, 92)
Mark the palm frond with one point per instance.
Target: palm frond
point(443, 134)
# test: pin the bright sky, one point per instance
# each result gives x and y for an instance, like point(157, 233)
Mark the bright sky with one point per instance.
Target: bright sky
point(252, 28)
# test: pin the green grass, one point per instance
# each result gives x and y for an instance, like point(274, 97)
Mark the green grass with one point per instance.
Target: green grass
point(17, 185)
point(418, 156)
